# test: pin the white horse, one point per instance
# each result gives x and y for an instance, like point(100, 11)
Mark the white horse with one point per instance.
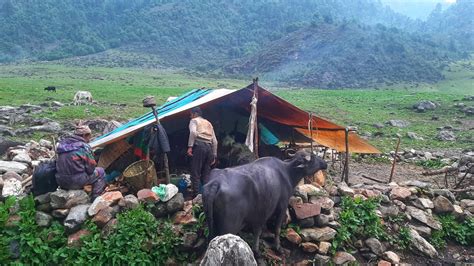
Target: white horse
point(82, 97)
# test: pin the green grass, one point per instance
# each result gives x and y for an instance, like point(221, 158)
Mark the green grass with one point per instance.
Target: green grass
point(23, 83)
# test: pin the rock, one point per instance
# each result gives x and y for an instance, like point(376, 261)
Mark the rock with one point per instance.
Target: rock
point(43, 219)
point(342, 257)
point(109, 228)
point(76, 217)
point(378, 125)
point(184, 218)
point(51, 127)
point(66, 199)
point(1, 183)
point(74, 240)
point(22, 158)
point(422, 245)
point(189, 239)
point(146, 195)
point(458, 212)
point(322, 220)
point(198, 200)
point(400, 193)
point(12, 187)
point(324, 247)
point(443, 205)
point(375, 246)
point(7, 166)
point(468, 204)
point(425, 231)
point(129, 202)
point(325, 202)
point(391, 257)
point(293, 237)
point(306, 223)
point(306, 210)
point(444, 192)
point(345, 190)
point(294, 201)
point(111, 125)
point(103, 217)
point(383, 263)
point(398, 123)
point(228, 250)
point(309, 190)
point(424, 105)
point(318, 234)
point(175, 204)
point(60, 213)
point(389, 211)
point(159, 210)
point(359, 244)
point(44, 198)
point(6, 131)
point(413, 135)
point(423, 203)
point(13, 175)
point(446, 135)
point(309, 247)
point(45, 207)
point(106, 200)
point(423, 217)
point(321, 260)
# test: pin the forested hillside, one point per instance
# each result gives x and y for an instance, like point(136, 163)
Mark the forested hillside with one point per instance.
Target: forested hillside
point(203, 35)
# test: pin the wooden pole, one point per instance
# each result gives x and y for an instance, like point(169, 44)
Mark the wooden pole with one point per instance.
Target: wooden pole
point(346, 167)
point(394, 160)
point(255, 94)
point(311, 129)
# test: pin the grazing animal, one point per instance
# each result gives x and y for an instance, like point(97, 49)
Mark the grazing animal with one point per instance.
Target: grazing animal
point(50, 88)
point(82, 97)
point(252, 194)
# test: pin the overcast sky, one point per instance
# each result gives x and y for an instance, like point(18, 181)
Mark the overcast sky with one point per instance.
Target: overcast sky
point(416, 8)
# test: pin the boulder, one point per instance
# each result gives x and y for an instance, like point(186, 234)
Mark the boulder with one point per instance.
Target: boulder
point(60, 213)
point(413, 135)
point(398, 123)
point(306, 223)
point(175, 204)
point(189, 239)
point(103, 216)
point(415, 183)
point(309, 190)
point(400, 193)
point(129, 202)
point(146, 195)
point(423, 203)
point(43, 219)
point(6, 131)
point(306, 210)
point(388, 211)
point(324, 247)
point(22, 158)
point(375, 246)
point(444, 192)
point(12, 187)
point(293, 237)
point(109, 228)
point(159, 210)
point(446, 135)
point(322, 220)
point(7, 166)
point(383, 263)
point(318, 234)
point(184, 218)
point(424, 105)
point(442, 205)
point(342, 257)
point(424, 231)
point(423, 217)
point(66, 199)
point(111, 125)
point(345, 190)
point(106, 200)
point(467, 204)
point(309, 247)
point(14, 175)
point(44, 198)
point(325, 202)
point(74, 240)
point(391, 257)
point(228, 250)
point(76, 217)
point(422, 245)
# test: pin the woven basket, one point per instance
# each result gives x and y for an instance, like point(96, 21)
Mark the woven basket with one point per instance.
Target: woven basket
point(140, 175)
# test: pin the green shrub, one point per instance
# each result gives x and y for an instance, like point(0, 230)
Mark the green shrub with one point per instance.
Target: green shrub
point(462, 233)
point(431, 164)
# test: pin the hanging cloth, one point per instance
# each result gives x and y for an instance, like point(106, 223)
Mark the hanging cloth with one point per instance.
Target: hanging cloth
point(249, 141)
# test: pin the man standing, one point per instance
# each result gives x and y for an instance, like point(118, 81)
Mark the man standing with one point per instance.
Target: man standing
point(76, 166)
point(202, 147)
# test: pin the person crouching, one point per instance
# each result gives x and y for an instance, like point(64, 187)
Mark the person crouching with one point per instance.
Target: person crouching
point(76, 166)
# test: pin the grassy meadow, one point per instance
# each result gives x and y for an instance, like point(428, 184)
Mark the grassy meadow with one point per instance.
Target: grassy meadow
point(120, 92)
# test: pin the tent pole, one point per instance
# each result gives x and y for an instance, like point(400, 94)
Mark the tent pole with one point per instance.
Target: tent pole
point(255, 94)
point(346, 168)
point(311, 129)
point(394, 161)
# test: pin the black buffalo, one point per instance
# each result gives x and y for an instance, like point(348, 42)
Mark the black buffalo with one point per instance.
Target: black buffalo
point(50, 88)
point(252, 194)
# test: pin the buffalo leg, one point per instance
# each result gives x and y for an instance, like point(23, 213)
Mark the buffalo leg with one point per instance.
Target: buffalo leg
point(257, 231)
point(280, 215)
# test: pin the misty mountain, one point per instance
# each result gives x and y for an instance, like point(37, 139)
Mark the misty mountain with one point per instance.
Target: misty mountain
point(346, 56)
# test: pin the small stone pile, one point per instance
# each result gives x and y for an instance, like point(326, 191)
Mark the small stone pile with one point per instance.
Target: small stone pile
point(73, 207)
point(316, 211)
point(19, 163)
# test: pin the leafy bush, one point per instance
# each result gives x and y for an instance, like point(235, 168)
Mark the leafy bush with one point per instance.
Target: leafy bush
point(358, 221)
point(462, 233)
point(431, 164)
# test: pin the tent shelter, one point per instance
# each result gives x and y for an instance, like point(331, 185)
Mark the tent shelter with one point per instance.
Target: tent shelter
point(229, 111)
